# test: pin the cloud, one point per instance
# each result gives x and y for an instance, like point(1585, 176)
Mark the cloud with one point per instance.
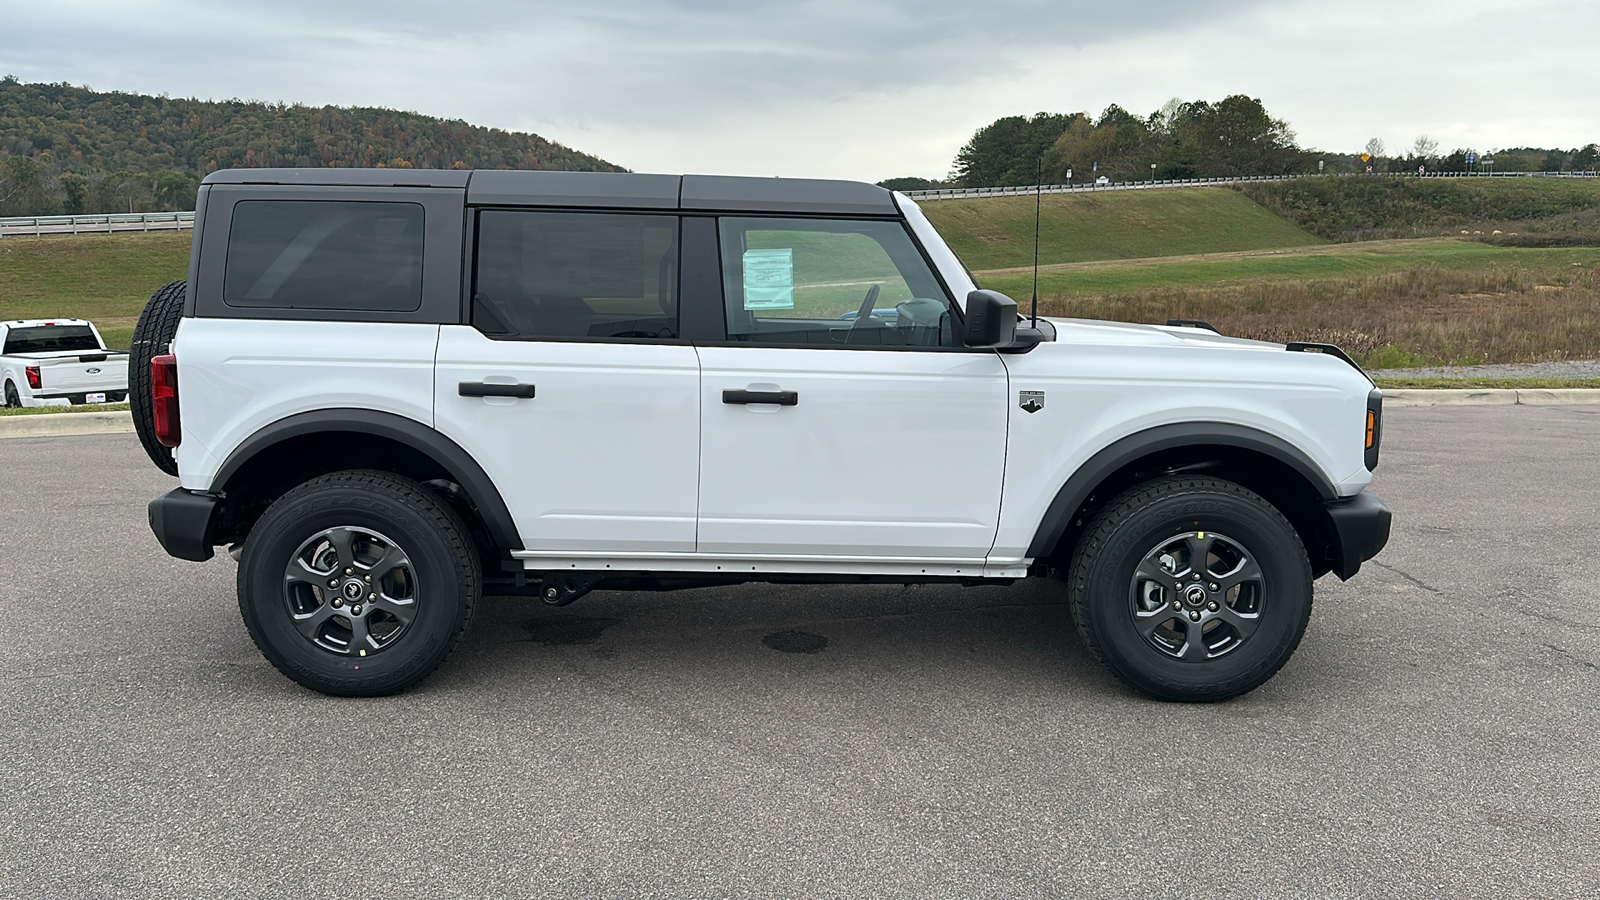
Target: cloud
point(846, 88)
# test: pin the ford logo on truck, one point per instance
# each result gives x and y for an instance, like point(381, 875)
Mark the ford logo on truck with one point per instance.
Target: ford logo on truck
point(93, 371)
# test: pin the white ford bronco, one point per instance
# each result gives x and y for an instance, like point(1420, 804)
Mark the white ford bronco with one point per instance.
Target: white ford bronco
point(393, 392)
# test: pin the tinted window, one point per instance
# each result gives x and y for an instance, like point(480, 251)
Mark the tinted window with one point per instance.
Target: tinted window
point(324, 254)
point(45, 338)
point(810, 281)
point(576, 275)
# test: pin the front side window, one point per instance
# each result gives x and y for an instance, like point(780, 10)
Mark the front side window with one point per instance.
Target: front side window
point(575, 275)
point(324, 254)
point(830, 282)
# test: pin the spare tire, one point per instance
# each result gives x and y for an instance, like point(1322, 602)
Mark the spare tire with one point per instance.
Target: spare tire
point(152, 336)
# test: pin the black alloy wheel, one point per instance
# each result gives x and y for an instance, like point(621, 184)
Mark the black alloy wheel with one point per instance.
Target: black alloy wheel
point(1191, 588)
point(358, 583)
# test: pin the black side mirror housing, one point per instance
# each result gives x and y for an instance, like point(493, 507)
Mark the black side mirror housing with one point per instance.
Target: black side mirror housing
point(991, 320)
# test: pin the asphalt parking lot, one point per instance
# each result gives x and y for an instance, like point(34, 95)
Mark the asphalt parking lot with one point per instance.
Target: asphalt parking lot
point(1435, 736)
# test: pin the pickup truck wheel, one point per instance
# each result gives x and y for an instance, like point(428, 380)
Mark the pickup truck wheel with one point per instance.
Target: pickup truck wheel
point(13, 399)
point(152, 336)
point(1191, 588)
point(358, 583)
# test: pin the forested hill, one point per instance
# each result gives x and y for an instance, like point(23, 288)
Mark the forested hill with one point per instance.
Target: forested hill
point(67, 149)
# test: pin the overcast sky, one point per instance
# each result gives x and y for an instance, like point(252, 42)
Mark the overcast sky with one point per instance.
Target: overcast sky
point(862, 89)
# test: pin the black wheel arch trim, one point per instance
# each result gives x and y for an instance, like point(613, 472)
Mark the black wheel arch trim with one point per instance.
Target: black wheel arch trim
point(1082, 483)
point(447, 453)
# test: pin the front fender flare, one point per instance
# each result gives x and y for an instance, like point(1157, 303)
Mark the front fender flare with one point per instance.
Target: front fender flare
point(1099, 467)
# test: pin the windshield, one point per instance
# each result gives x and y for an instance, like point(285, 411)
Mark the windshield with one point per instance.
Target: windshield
point(45, 338)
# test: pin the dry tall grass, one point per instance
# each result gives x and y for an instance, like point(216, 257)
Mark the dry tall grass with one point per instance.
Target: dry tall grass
point(1424, 316)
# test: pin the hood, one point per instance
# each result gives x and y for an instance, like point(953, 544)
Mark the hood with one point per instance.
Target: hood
point(1097, 331)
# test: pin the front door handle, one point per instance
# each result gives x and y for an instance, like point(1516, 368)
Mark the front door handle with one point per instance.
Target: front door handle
point(781, 398)
point(480, 389)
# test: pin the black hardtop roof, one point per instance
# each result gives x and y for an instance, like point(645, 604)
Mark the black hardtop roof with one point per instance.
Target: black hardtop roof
point(613, 190)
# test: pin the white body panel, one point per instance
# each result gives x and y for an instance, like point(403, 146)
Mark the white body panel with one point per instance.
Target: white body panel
point(886, 454)
point(61, 371)
point(237, 376)
point(604, 458)
point(1104, 381)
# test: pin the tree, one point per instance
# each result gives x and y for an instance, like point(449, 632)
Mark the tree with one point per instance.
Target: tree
point(1374, 148)
point(908, 183)
point(1425, 148)
point(1008, 151)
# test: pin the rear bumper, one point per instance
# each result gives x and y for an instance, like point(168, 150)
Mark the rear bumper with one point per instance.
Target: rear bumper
point(81, 397)
point(185, 524)
point(1360, 528)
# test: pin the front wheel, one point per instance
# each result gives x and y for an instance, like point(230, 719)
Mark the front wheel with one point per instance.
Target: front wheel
point(358, 583)
point(1191, 588)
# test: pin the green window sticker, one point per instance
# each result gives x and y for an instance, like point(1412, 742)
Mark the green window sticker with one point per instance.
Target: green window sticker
point(769, 279)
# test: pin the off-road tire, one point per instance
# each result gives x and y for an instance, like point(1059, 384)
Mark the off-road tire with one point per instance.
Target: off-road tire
point(152, 336)
point(436, 542)
point(1101, 586)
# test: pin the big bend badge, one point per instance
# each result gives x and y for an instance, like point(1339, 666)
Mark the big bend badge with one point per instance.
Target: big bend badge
point(1030, 401)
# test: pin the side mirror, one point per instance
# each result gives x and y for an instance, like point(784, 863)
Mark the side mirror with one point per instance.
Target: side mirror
point(991, 320)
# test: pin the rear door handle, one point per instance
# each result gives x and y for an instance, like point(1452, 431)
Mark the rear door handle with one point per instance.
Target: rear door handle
point(480, 389)
point(781, 398)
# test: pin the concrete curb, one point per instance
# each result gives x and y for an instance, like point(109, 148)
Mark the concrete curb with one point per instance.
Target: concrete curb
point(1393, 397)
point(54, 424)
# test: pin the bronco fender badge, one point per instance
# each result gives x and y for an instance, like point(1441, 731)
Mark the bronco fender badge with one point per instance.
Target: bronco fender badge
point(1030, 401)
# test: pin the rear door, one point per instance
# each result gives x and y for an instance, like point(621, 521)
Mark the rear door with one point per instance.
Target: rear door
point(841, 418)
point(571, 386)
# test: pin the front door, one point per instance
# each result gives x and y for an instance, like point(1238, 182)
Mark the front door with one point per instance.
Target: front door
point(839, 417)
point(571, 387)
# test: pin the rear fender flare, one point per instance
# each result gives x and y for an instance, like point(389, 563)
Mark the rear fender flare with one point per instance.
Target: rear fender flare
point(450, 456)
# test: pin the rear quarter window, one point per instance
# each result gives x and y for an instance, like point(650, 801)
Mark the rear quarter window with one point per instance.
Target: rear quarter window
point(48, 338)
point(324, 255)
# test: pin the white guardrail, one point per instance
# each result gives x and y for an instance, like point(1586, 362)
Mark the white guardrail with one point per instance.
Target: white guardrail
point(39, 226)
point(1028, 190)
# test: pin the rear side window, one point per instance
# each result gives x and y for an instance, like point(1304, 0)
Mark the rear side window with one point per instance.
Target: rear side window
point(47, 338)
point(576, 275)
point(324, 254)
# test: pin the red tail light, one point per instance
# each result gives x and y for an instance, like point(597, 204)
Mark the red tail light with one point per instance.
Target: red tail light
point(164, 399)
point(33, 377)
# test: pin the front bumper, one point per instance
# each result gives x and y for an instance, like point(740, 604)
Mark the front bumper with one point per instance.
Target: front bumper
point(1360, 528)
point(185, 524)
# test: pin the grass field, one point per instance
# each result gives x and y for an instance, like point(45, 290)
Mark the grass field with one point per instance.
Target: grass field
point(1390, 304)
point(103, 278)
point(997, 232)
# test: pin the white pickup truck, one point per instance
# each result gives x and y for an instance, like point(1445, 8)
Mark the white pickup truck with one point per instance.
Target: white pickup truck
point(59, 362)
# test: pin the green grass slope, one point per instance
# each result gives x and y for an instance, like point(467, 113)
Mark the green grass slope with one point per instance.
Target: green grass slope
point(103, 278)
point(997, 232)
point(1543, 211)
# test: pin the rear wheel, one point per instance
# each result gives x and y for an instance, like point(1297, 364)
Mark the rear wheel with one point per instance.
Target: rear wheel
point(13, 399)
point(152, 336)
point(1191, 588)
point(358, 583)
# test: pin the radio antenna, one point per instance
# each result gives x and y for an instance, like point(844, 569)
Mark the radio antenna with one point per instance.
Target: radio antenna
point(1038, 194)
